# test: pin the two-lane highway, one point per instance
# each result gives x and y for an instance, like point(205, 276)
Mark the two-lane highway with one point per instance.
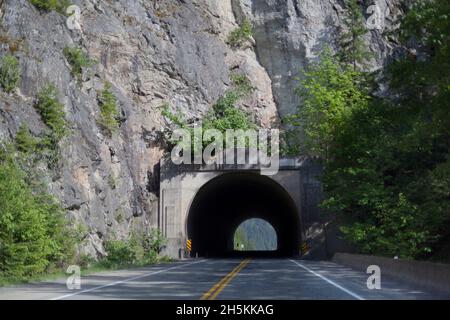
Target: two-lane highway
point(225, 279)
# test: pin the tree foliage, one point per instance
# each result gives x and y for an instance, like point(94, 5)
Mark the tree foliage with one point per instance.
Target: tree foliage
point(78, 60)
point(33, 233)
point(330, 93)
point(224, 114)
point(52, 111)
point(137, 250)
point(353, 49)
point(9, 72)
point(386, 160)
point(108, 110)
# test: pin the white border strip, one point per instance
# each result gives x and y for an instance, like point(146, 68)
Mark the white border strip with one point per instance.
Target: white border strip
point(125, 280)
point(354, 295)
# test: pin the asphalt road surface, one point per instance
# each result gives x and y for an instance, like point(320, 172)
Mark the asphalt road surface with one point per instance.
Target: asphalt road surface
point(225, 279)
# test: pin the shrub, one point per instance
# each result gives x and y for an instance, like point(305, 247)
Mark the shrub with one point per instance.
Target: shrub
point(52, 112)
point(242, 83)
point(49, 5)
point(25, 142)
point(241, 35)
point(112, 181)
point(223, 116)
point(9, 72)
point(120, 252)
point(154, 241)
point(77, 59)
point(108, 110)
point(138, 250)
point(227, 101)
point(33, 233)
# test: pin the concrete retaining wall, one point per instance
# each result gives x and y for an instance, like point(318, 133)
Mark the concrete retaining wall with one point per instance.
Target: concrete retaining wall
point(435, 276)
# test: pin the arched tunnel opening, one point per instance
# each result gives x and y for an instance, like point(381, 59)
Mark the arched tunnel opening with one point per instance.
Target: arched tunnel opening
point(227, 201)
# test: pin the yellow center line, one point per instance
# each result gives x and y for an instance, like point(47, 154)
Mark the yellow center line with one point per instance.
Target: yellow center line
point(218, 287)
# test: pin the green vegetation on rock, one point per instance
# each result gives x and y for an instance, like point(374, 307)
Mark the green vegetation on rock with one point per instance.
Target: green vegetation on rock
point(49, 5)
point(9, 72)
point(78, 60)
point(224, 114)
point(52, 112)
point(108, 110)
point(353, 50)
point(241, 35)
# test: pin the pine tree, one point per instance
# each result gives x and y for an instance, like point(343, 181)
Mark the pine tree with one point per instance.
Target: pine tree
point(352, 47)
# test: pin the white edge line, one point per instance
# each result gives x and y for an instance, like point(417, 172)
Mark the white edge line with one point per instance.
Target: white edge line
point(354, 295)
point(125, 280)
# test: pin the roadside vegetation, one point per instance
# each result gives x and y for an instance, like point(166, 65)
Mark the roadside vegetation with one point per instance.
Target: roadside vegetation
point(34, 236)
point(138, 250)
point(386, 159)
point(37, 241)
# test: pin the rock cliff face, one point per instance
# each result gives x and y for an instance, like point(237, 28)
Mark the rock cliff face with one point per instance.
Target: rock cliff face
point(154, 53)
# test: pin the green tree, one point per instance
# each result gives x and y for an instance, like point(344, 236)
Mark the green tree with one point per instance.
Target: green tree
point(9, 72)
point(330, 93)
point(78, 60)
point(33, 235)
point(386, 160)
point(52, 112)
point(108, 110)
point(25, 141)
point(223, 115)
point(352, 47)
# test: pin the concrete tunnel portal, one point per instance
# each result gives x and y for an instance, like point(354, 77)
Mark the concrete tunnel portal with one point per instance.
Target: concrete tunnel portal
point(226, 201)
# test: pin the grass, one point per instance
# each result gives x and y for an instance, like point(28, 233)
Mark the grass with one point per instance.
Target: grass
point(101, 266)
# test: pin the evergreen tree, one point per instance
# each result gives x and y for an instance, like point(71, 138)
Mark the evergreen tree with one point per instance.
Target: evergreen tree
point(352, 47)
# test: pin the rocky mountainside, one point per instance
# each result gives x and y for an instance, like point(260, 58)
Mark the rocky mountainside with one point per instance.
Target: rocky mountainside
point(155, 53)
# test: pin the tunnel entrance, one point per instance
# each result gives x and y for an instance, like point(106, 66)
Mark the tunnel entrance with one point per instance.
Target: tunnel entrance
point(255, 235)
point(225, 202)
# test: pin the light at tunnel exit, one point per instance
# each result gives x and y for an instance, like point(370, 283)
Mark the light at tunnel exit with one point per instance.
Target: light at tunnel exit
point(255, 235)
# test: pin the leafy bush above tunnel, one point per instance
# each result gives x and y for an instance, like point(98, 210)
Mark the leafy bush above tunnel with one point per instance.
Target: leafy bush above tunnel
point(223, 115)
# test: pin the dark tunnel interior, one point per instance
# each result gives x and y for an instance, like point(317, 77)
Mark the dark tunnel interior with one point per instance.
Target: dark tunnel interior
point(222, 204)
